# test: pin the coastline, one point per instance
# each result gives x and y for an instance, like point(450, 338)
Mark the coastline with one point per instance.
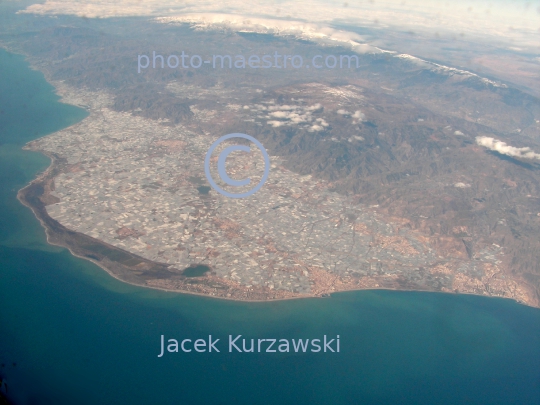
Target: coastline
point(154, 272)
point(42, 177)
point(65, 314)
point(44, 220)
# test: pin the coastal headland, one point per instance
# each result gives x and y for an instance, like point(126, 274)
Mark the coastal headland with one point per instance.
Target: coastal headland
point(128, 193)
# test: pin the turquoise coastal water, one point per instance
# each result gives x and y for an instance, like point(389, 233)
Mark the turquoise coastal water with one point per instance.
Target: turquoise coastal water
point(78, 336)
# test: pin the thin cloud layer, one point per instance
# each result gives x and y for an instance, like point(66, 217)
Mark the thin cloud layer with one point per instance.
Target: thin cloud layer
point(318, 32)
point(515, 22)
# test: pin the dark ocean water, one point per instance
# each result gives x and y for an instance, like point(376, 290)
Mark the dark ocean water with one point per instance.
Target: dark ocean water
point(71, 334)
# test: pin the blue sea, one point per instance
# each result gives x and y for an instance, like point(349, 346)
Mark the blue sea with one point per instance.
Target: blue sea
point(72, 334)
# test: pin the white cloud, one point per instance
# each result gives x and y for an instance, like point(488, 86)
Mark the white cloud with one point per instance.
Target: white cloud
point(293, 117)
point(503, 148)
point(297, 119)
point(314, 107)
point(289, 115)
point(282, 107)
point(275, 124)
point(510, 21)
point(244, 22)
point(279, 114)
point(315, 127)
point(446, 70)
point(462, 185)
point(359, 115)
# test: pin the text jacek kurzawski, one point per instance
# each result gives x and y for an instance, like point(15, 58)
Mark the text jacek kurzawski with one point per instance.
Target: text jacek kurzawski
point(239, 344)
